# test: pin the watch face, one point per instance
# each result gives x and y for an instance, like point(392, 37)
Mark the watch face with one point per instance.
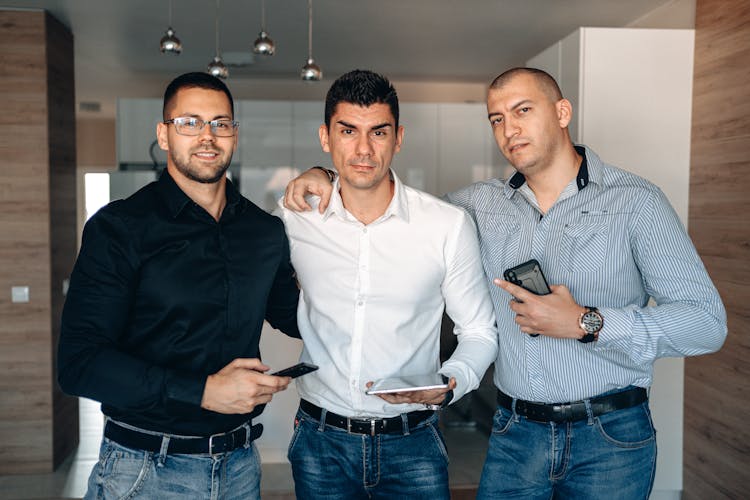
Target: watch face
point(591, 322)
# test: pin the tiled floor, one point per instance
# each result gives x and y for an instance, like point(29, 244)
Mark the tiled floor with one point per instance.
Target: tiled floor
point(466, 445)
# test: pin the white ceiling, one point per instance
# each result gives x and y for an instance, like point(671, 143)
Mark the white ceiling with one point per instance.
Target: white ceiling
point(117, 42)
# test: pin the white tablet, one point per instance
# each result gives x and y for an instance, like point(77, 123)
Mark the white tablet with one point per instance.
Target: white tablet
point(408, 383)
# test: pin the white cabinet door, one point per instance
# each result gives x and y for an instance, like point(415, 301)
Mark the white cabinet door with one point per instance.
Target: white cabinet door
point(307, 116)
point(266, 143)
point(632, 90)
point(265, 134)
point(136, 130)
point(464, 145)
point(417, 162)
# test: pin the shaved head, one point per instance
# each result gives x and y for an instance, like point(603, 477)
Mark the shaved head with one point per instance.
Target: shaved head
point(546, 83)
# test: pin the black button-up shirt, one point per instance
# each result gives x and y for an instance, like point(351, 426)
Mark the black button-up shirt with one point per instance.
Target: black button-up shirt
point(162, 295)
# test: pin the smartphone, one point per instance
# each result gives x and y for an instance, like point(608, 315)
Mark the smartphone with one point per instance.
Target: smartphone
point(528, 275)
point(297, 370)
point(408, 384)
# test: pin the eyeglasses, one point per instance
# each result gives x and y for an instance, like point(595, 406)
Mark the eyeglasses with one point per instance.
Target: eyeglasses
point(187, 125)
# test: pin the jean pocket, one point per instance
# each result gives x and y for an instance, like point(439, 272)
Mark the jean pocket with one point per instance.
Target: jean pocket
point(299, 420)
point(502, 421)
point(439, 442)
point(627, 428)
point(124, 471)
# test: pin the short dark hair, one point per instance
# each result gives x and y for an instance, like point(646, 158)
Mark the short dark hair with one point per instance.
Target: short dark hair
point(545, 81)
point(195, 79)
point(361, 87)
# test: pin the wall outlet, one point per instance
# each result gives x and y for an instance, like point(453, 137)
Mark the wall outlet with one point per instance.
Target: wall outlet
point(19, 294)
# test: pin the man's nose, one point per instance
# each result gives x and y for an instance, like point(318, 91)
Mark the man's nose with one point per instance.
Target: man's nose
point(364, 145)
point(510, 128)
point(207, 133)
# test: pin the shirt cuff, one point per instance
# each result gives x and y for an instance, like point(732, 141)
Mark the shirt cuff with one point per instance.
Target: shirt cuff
point(616, 333)
point(185, 390)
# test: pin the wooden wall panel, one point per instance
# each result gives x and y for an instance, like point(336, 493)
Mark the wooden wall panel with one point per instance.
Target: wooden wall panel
point(717, 387)
point(37, 198)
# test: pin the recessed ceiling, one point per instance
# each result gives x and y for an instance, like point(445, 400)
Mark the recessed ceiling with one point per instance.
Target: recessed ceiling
point(117, 42)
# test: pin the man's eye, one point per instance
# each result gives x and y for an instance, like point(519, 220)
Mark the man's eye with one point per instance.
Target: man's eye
point(190, 123)
point(347, 131)
point(220, 125)
point(496, 121)
point(525, 109)
point(379, 133)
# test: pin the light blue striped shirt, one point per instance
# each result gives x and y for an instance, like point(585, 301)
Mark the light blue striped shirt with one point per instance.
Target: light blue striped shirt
point(614, 242)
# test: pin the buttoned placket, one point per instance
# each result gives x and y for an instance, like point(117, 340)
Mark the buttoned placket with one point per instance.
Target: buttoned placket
point(360, 315)
point(541, 227)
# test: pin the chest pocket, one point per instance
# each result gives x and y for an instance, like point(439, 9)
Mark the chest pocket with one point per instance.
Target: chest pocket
point(584, 244)
point(499, 238)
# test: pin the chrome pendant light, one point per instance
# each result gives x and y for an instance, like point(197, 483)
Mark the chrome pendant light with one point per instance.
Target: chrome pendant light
point(217, 67)
point(311, 72)
point(169, 43)
point(263, 44)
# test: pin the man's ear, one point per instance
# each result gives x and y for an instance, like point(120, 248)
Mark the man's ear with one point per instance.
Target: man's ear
point(323, 134)
point(399, 138)
point(162, 137)
point(564, 112)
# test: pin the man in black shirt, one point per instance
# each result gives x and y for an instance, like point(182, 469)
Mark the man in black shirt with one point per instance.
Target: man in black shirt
point(164, 312)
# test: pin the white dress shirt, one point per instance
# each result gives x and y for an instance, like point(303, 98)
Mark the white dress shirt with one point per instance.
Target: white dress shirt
point(373, 298)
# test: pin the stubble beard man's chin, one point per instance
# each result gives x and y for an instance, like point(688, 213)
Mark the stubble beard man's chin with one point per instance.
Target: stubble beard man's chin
point(191, 174)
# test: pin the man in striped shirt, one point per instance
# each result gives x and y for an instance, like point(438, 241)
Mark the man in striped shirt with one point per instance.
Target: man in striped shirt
point(574, 366)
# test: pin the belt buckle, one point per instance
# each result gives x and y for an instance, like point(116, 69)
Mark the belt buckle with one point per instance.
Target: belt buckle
point(373, 421)
point(211, 443)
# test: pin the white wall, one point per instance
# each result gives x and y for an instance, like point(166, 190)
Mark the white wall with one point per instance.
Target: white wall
point(632, 92)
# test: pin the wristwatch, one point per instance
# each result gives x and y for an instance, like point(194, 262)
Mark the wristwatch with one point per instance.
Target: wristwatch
point(591, 322)
point(330, 173)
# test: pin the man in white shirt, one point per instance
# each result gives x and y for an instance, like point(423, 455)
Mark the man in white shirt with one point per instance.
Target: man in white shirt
point(377, 269)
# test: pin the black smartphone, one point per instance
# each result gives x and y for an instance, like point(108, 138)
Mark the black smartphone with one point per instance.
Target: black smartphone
point(528, 275)
point(295, 371)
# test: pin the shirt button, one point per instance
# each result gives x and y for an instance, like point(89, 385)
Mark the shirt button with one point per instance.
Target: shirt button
point(364, 230)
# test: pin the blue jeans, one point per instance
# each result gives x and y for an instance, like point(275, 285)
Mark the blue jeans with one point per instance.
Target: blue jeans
point(612, 456)
point(128, 473)
point(329, 463)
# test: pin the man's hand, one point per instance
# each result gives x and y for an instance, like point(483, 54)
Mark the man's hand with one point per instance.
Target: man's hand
point(429, 396)
point(553, 315)
point(312, 181)
point(241, 386)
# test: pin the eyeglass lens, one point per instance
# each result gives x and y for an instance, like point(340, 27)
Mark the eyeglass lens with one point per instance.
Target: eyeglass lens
point(194, 126)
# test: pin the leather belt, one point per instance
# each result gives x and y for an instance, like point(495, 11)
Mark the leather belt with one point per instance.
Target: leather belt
point(576, 410)
point(364, 425)
point(217, 443)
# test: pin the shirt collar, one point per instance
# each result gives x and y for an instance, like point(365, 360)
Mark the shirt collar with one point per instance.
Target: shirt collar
point(176, 199)
point(398, 207)
point(583, 178)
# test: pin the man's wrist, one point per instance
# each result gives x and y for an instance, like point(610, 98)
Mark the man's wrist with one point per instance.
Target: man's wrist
point(330, 173)
point(448, 395)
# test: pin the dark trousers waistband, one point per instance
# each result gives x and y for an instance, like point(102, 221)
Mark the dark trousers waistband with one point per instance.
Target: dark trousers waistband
point(371, 426)
point(576, 410)
point(218, 443)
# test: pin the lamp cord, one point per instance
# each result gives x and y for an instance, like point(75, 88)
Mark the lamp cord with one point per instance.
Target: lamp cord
point(217, 28)
point(309, 29)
